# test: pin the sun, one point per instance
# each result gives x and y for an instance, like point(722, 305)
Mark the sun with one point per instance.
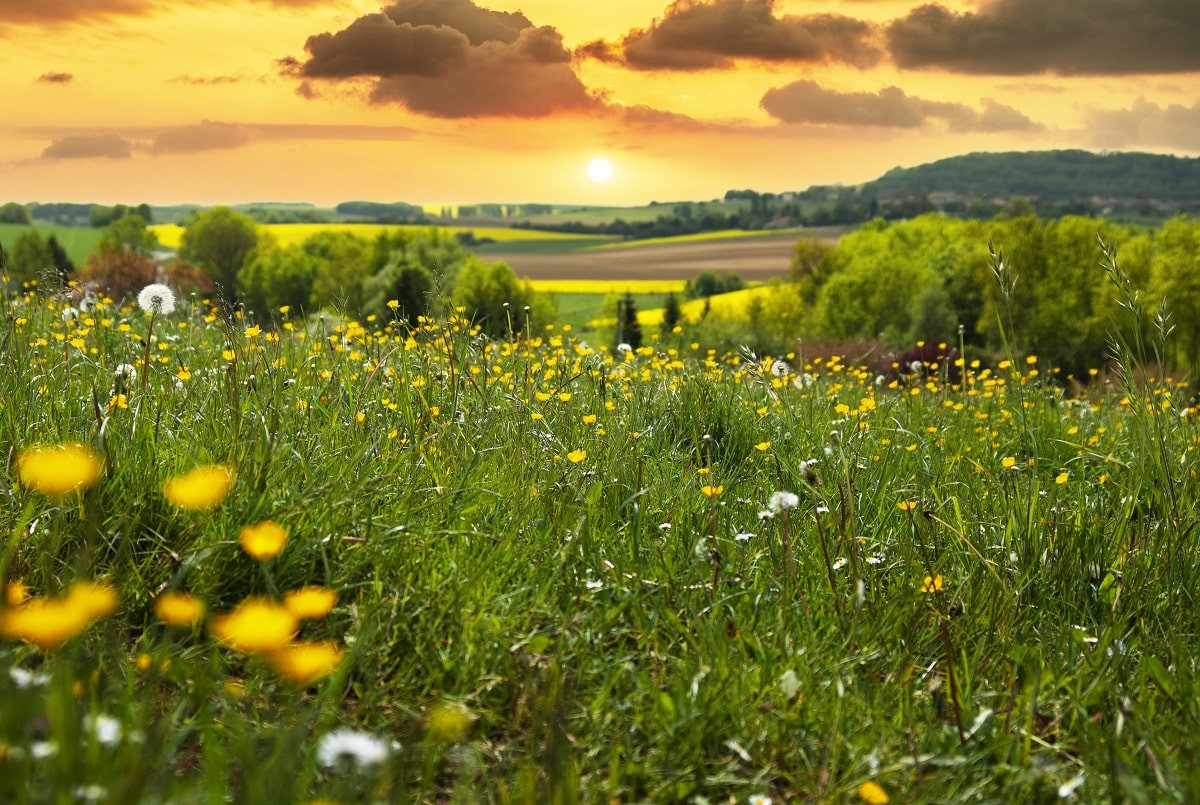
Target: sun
point(600, 170)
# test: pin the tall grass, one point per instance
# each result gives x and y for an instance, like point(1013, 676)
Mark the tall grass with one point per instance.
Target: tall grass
point(565, 575)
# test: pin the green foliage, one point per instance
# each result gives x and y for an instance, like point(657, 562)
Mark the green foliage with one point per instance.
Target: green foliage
point(14, 213)
point(219, 241)
point(672, 314)
point(710, 283)
point(31, 258)
point(410, 286)
point(629, 329)
point(277, 278)
point(128, 233)
point(491, 296)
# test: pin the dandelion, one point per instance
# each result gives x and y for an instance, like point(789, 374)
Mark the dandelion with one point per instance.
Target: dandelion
point(263, 540)
point(156, 299)
point(576, 456)
point(780, 369)
point(360, 749)
point(125, 373)
point(449, 722)
point(710, 491)
point(305, 663)
point(58, 470)
point(178, 609)
point(782, 501)
point(256, 625)
point(932, 584)
point(1008, 462)
point(48, 623)
point(873, 793)
point(309, 603)
point(202, 488)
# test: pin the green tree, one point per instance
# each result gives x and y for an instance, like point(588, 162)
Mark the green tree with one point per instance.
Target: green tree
point(274, 278)
point(672, 314)
point(401, 291)
point(629, 329)
point(219, 241)
point(31, 259)
point(14, 213)
point(62, 261)
point(129, 232)
point(493, 297)
point(1176, 277)
point(123, 262)
point(345, 266)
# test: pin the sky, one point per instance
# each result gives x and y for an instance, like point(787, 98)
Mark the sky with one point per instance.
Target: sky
point(461, 101)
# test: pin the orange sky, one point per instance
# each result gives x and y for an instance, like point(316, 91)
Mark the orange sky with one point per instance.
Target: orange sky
point(440, 101)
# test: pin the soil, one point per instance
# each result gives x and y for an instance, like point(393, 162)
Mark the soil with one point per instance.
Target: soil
point(752, 258)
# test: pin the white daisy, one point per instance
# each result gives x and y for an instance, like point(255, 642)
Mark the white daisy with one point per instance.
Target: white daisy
point(359, 748)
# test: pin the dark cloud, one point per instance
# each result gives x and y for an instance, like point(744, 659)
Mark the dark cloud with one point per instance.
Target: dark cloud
point(1024, 37)
point(1145, 123)
point(449, 58)
point(808, 102)
point(697, 35)
point(83, 146)
point(56, 78)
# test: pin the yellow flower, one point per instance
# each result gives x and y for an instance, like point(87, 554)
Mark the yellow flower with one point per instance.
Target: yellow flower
point(263, 540)
point(712, 491)
point(576, 456)
point(202, 488)
point(449, 722)
point(932, 584)
point(49, 622)
point(179, 609)
point(907, 505)
point(762, 447)
point(256, 625)
point(1008, 462)
point(872, 793)
point(305, 663)
point(1031, 359)
point(1062, 478)
point(842, 408)
point(16, 593)
point(253, 331)
point(58, 470)
point(310, 602)
point(589, 419)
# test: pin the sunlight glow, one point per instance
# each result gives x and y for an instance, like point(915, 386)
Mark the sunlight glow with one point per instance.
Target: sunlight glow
point(600, 170)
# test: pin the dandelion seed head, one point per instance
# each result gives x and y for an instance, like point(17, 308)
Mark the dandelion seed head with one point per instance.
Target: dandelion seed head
point(156, 299)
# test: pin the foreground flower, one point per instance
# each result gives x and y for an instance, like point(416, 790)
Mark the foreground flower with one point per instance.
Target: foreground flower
point(263, 540)
point(58, 470)
point(932, 584)
point(48, 623)
point(359, 748)
point(202, 488)
point(256, 625)
point(308, 603)
point(873, 793)
point(305, 663)
point(178, 609)
point(782, 501)
point(576, 456)
point(156, 299)
point(712, 491)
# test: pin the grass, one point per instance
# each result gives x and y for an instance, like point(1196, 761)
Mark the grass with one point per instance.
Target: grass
point(566, 575)
point(78, 241)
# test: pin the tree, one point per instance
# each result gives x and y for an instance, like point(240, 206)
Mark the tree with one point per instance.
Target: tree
point(629, 329)
point(14, 213)
point(219, 241)
point(277, 277)
point(345, 266)
point(31, 258)
point(129, 232)
point(493, 297)
point(672, 313)
point(123, 262)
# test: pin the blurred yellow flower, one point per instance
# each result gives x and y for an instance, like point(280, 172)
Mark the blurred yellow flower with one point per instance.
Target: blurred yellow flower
point(263, 540)
point(310, 602)
point(712, 491)
point(1008, 462)
point(179, 609)
point(763, 446)
point(1062, 478)
point(49, 622)
point(932, 584)
point(305, 663)
point(58, 470)
point(449, 722)
point(253, 331)
point(256, 625)
point(202, 488)
point(907, 505)
point(576, 456)
point(872, 793)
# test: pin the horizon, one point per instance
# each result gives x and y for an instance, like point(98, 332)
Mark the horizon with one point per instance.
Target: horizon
point(423, 101)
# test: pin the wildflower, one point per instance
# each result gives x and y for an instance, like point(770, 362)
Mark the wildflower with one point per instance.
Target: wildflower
point(759, 799)
point(50, 622)
point(1062, 478)
point(308, 603)
point(263, 540)
point(58, 470)
point(449, 722)
point(873, 793)
point(932, 584)
point(252, 331)
point(178, 609)
point(762, 447)
point(15, 593)
point(305, 663)
point(359, 748)
point(27, 679)
point(1008, 462)
point(576, 456)
point(202, 488)
point(782, 501)
point(907, 505)
point(256, 625)
point(840, 563)
point(710, 491)
point(104, 728)
point(156, 298)
point(125, 372)
point(780, 369)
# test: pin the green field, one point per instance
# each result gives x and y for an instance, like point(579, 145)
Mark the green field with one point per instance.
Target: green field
point(79, 242)
point(333, 563)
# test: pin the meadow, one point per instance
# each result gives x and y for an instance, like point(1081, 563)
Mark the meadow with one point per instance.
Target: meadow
point(318, 561)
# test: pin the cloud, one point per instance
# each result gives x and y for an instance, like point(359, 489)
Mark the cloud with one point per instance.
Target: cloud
point(82, 146)
point(205, 136)
point(210, 80)
point(61, 12)
point(706, 35)
point(56, 78)
point(1026, 37)
point(449, 58)
point(1146, 123)
point(806, 101)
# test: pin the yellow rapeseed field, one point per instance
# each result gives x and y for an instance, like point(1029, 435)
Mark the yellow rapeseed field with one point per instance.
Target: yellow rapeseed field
point(609, 286)
point(170, 235)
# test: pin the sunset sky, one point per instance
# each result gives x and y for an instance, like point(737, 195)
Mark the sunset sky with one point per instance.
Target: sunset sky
point(443, 101)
